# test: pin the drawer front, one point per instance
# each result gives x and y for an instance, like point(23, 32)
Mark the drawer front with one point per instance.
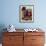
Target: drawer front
point(37, 39)
point(13, 33)
point(12, 39)
point(12, 45)
point(37, 44)
point(5, 39)
point(34, 33)
point(27, 41)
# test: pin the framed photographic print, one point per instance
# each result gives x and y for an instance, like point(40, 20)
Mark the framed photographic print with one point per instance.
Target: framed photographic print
point(26, 13)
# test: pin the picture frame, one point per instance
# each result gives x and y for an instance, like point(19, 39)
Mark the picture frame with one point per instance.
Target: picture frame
point(26, 13)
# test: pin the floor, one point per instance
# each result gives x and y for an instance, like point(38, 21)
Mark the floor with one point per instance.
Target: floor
point(0, 44)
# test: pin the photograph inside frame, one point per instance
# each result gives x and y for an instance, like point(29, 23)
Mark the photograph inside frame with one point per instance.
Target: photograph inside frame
point(26, 13)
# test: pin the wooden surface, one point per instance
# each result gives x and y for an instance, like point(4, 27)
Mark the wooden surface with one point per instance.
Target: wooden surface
point(13, 39)
point(23, 39)
point(34, 39)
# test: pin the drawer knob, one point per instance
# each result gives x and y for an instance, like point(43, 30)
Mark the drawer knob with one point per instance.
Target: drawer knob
point(10, 38)
point(33, 39)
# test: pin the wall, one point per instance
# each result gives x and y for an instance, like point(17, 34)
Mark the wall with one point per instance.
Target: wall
point(9, 13)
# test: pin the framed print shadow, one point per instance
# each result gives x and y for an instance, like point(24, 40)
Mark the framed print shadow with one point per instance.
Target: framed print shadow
point(26, 13)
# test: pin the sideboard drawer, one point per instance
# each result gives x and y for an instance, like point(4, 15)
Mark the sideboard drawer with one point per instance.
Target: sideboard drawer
point(37, 39)
point(34, 33)
point(13, 33)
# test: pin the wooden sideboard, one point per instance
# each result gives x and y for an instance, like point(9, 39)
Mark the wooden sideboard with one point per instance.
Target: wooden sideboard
point(23, 39)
